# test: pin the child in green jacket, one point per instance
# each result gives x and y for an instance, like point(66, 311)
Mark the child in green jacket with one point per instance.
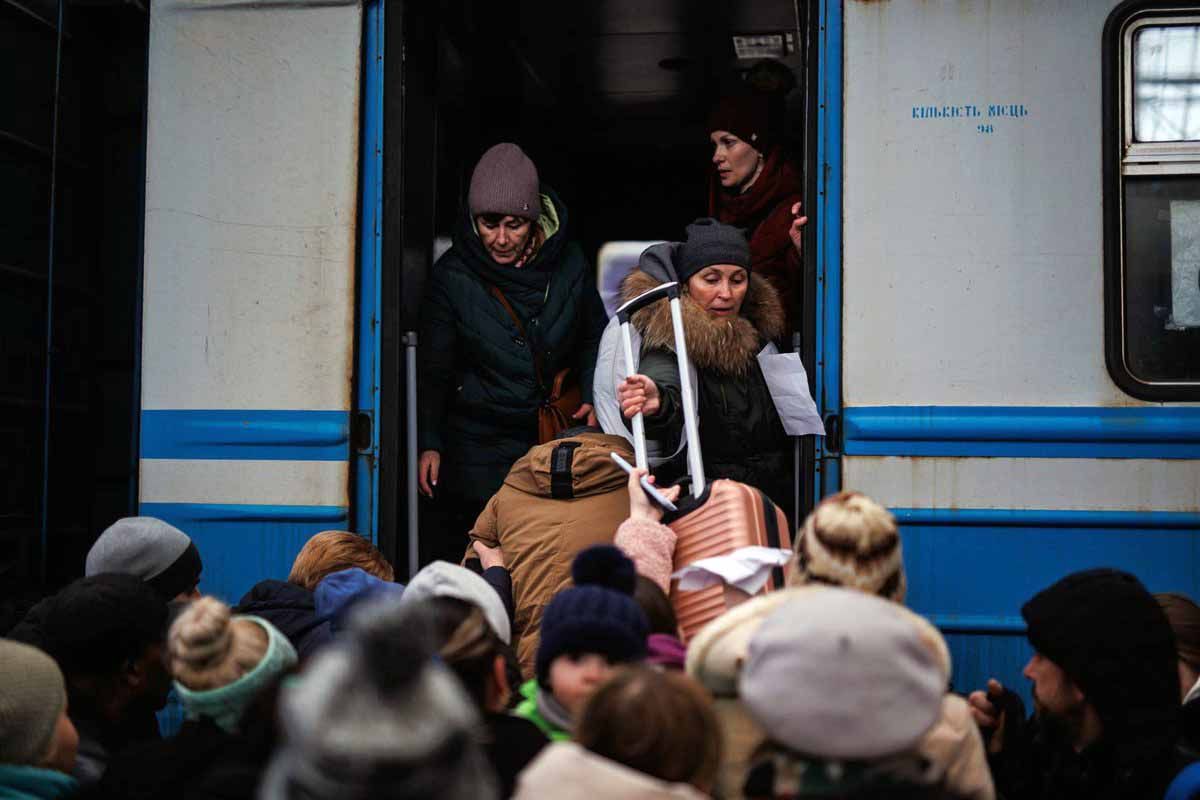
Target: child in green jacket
point(586, 630)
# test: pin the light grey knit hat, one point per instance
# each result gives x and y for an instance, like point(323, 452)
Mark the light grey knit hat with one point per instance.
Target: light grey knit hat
point(443, 579)
point(147, 548)
point(374, 715)
point(839, 674)
point(32, 696)
point(505, 181)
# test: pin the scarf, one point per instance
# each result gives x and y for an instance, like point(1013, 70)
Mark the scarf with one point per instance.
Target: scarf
point(775, 191)
point(553, 711)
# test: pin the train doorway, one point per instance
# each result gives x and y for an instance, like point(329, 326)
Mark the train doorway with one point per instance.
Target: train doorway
point(610, 101)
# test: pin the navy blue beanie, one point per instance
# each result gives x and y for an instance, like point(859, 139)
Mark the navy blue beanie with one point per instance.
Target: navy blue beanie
point(596, 615)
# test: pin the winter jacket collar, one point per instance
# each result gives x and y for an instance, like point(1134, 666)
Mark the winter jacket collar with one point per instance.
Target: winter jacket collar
point(290, 608)
point(724, 346)
point(566, 771)
point(589, 466)
point(21, 782)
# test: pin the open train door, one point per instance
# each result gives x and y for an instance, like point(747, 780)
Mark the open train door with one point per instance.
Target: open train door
point(251, 225)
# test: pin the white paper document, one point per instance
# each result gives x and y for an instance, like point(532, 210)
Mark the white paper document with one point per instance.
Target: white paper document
point(788, 382)
point(747, 568)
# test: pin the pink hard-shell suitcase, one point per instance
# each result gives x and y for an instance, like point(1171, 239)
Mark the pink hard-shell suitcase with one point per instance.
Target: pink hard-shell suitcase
point(719, 517)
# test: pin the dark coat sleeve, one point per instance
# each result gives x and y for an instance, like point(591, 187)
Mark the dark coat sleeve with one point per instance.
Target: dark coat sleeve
point(661, 367)
point(435, 364)
point(1014, 768)
point(592, 319)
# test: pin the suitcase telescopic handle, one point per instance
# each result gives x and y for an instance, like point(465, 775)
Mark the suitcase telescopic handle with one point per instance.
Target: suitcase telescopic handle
point(670, 291)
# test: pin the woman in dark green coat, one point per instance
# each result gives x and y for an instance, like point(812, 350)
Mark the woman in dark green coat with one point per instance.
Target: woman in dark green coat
point(478, 391)
point(729, 316)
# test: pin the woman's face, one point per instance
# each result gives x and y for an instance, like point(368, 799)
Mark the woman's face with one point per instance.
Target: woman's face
point(720, 289)
point(503, 237)
point(737, 162)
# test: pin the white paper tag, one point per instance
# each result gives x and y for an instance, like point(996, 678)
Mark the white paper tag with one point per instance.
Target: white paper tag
point(747, 568)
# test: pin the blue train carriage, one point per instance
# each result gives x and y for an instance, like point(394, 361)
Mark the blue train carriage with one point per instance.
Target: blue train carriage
point(251, 281)
point(1010, 281)
point(1005, 305)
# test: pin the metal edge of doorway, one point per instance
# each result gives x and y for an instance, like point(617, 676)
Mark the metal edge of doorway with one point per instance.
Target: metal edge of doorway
point(829, 243)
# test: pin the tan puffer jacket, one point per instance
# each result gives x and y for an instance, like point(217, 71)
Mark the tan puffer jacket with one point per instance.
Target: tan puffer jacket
point(559, 498)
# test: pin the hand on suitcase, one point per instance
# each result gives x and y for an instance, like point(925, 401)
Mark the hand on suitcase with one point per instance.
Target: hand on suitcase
point(640, 506)
point(638, 393)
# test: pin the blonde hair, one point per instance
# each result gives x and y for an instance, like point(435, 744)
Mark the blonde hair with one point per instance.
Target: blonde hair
point(207, 648)
point(333, 551)
point(852, 541)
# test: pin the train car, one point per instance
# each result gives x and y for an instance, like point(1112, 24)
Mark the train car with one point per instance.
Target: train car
point(1010, 297)
point(1001, 304)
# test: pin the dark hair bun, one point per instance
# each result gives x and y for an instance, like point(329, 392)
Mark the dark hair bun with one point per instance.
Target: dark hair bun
point(604, 565)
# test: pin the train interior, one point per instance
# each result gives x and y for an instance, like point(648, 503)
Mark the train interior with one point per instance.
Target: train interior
point(609, 99)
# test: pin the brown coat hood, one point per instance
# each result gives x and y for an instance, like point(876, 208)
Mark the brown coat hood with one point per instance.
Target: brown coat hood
point(727, 346)
point(540, 534)
point(592, 468)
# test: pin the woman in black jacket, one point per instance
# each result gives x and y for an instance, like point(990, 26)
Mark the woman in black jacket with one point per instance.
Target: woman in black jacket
point(729, 316)
point(482, 373)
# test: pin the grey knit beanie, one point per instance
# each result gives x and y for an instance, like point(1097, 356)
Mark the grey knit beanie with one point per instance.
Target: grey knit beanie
point(505, 181)
point(711, 242)
point(374, 715)
point(443, 579)
point(840, 674)
point(147, 548)
point(32, 696)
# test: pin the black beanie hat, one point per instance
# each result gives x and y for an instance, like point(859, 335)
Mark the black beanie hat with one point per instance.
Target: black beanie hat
point(1111, 638)
point(95, 624)
point(596, 615)
point(711, 242)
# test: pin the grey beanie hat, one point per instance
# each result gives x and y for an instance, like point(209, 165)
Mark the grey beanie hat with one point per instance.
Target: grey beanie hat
point(374, 715)
point(839, 674)
point(32, 696)
point(443, 579)
point(147, 548)
point(711, 242)
point(505, 181)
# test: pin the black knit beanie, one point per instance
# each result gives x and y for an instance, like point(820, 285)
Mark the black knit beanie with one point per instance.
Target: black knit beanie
point(1111, 638)
point(95, 624)
point(711, 242)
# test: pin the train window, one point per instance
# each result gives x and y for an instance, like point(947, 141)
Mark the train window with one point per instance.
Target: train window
point(1153, 204)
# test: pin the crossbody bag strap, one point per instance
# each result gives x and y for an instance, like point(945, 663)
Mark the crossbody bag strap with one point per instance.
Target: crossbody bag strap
point(537, 359)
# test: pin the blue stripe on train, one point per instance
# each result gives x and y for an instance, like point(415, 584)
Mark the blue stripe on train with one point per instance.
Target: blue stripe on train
point(1021, 431)
point(970, 571)
point(243, 544)
point(246, 435)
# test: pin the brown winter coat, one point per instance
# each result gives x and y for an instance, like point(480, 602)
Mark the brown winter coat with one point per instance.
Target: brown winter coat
point(540, 534)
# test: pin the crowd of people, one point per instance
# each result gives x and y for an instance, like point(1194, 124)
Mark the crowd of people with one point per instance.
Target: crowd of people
point(538, 653)
point(523, 673)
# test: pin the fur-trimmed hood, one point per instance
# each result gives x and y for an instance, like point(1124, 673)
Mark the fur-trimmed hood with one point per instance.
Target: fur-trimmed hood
point(726, 346)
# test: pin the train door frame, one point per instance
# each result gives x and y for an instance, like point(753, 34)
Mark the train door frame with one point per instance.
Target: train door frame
point(823, 192)
point(408, 200)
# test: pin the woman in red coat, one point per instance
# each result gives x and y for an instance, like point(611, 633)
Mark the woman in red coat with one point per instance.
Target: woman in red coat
point(755, 186)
